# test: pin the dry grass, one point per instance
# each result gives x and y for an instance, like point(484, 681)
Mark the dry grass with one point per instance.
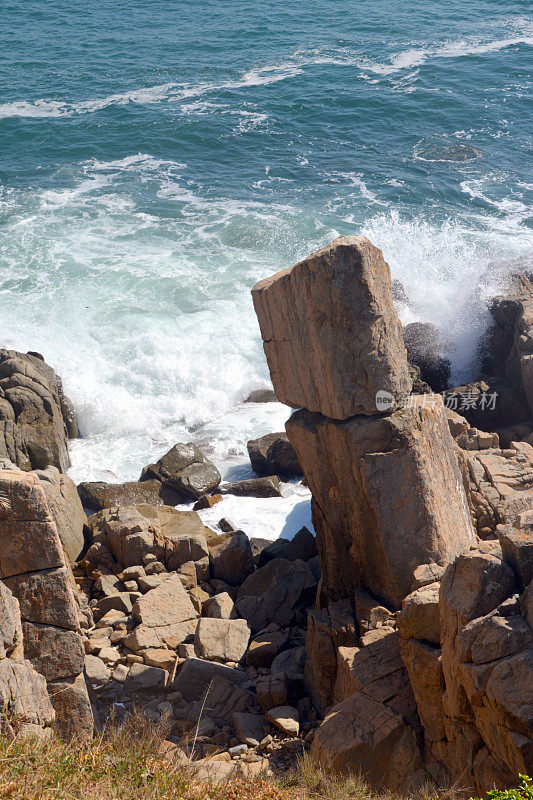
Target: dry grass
point(124, 763)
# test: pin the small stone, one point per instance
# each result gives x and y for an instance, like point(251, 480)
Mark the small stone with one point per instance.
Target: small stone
point(155, 568)
point(285, 718)
point(238, 750)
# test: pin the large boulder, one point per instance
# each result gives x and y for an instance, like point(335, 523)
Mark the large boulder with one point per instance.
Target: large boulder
point(362, 736)
point(185, 470)
point(96, 495)
point(168, 604)
point(273, 454)
point(375, 482)
point(66, 510)
point(274, 593)
point(35, 416)
point(221, 639)
point(230, 557)
point(330, 333)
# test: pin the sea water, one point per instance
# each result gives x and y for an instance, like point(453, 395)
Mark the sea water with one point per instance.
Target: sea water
point(157, 159)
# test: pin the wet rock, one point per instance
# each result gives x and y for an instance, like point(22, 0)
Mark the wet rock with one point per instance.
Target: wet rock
point(185, 470)
point(253, 487)
point(97, 495)
point(262, 396)
point(273, 454)
point(425, 348)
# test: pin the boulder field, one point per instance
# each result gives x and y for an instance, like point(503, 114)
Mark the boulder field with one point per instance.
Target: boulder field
point(397, 644)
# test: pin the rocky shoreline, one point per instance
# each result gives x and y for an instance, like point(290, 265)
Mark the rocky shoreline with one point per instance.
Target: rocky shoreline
point(398, 644)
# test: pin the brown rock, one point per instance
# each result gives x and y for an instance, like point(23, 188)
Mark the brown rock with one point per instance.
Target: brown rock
point(221, 639)
point(35, 415)
point(45, 597)
point(25, 707)
point(74, 715)
point(272, 593)
point(330, 333)
point(285, 718)
point(265, 647)
point(376, 670)
point(230, 557)
point(55, 653)
point(419, 617)
point(10, 625)
point(66, 510)
point(167, 605)
point(361, 736)
point(358, 471)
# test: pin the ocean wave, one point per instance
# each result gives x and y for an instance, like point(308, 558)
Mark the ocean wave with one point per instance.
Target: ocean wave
point(417, 56)
point(167, 92)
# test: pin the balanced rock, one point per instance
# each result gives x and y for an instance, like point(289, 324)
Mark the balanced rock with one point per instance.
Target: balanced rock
point(330, 333)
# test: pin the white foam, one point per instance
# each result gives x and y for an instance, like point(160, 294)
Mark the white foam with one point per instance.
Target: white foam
point(416, 57)
point(265, 518)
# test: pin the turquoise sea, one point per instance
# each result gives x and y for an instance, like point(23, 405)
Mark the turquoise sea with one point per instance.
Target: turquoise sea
point(157, 159)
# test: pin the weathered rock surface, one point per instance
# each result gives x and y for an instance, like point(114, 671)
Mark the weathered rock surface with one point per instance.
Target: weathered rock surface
point(25, 707)
point(357, 471)
point(129, 534)
point(230, 557)
point(32, 562)
point(221, 639)
point(361, 736)
point(330, 333)
point(66, 510)
point(97, 495)
point(185, 470)
point(272, 593)
point(35, 416)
